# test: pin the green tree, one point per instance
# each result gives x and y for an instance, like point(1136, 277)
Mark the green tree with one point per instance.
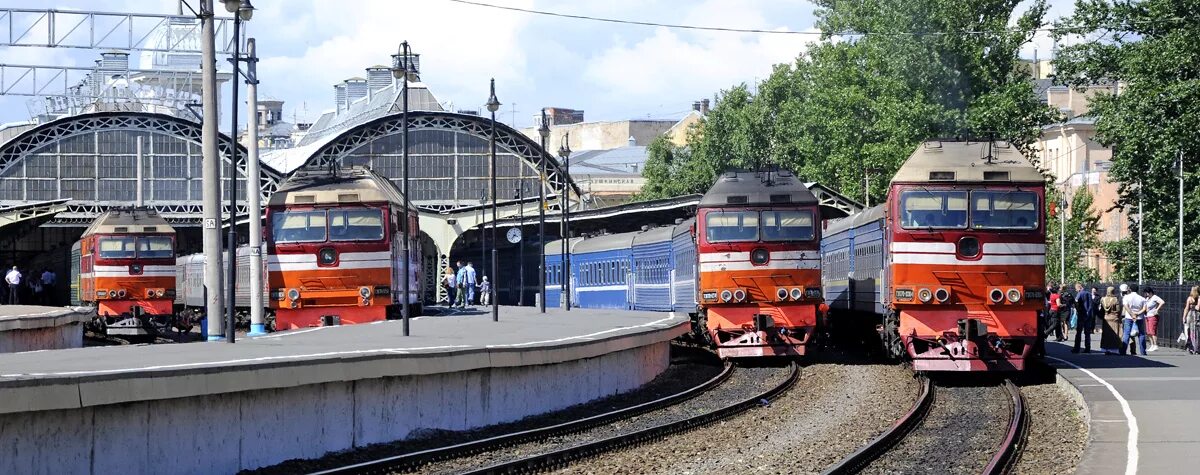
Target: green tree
point(1151, 48)
point(1075, 235)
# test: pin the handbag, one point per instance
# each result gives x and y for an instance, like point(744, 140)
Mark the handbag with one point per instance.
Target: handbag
point(1182, 336)
point(1074, 319)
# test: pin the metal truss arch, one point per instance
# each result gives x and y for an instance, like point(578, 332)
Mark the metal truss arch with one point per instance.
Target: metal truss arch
point(507, 139)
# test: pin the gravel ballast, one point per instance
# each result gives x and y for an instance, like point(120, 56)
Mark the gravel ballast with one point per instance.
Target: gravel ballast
point(1056, 435)
point(831, 412)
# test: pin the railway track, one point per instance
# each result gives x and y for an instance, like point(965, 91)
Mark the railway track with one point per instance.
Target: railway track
point(433, 460)
point(917, 436)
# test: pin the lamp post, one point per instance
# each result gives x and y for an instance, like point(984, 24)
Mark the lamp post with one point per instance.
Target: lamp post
point(242, 11)
point(520, 195)
point(544, 132)
point(482, 229)
point(254, 193)
point(565, 152)
point(210, 178)
point(1062, 241)
point(400, 70)
point(493, 105)
point(1181, 217)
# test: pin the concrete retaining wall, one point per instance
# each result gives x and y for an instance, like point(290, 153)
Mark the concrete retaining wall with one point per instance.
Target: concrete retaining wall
point(30, 328)
point(223, 433)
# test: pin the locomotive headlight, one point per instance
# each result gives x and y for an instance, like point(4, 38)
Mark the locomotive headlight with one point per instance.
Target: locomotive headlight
point(1014, 295)
point(759, 256)
point(925, 295)
point(159, 292)
point(364, 292)
point(121, 293)
point(149, 293)
point(782, 293)
point(996, 295)
point(293, 294)
point(942, 295)
point(726, 295)
point(797, 293)
point(739, 294)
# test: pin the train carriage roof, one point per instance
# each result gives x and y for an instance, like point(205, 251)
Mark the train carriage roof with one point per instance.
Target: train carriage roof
point(345, 185)
point(554, 248)
point(967, 162)
point(607, 242)
point(653, 235)
point(684, 228)
point(129, 221)
point(873, 213)
point(740, 189)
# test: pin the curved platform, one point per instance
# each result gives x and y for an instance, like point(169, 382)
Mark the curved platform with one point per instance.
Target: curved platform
point(219, 407)
point(33, 328)
point(1142, 410)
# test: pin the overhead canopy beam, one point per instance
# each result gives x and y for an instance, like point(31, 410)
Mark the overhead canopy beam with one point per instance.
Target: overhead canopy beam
point(38, 28)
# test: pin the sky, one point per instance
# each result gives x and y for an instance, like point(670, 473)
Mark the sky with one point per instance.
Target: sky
point(612, 71)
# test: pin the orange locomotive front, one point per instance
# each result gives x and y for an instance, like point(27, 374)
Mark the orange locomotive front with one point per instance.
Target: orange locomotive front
point(334, 249)
point(127, 271)
point(966, 257)
point(759, 264)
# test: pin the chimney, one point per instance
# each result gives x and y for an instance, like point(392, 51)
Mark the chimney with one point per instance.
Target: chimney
point(704, 106)
point(356, 88)
point(339, 96)
point(696, 106)
point(114, 62)
point(378, 77)
point(632, 141)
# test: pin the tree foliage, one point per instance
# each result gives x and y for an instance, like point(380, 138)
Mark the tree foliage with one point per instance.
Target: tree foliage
point(1152, 47)
point(1073, 236)
point(858, 104)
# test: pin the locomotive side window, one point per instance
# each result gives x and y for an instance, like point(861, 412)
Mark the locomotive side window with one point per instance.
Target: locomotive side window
point(730, 226)
point(1004, 209)
point(298, 226)
point(791, 225)
point(155, 247)
point(118, 247)
point(946, 209)
point(349, 224)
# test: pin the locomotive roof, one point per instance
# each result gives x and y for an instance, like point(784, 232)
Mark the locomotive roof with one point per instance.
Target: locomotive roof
point(740, 189)
point(658, 234)
point(606, 242)
point(129, 221)
point(554, 248)
point(873, 213)
point(347, 185)
point(967, 162)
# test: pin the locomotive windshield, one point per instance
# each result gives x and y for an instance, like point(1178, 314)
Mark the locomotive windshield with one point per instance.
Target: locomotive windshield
point(298, 226)
point(790, 225)
point(349, 224)
point(124, 247)
point(731, 226)
point(129, 247)
point(923, 208)
point(155, 247)
point(1004, 209)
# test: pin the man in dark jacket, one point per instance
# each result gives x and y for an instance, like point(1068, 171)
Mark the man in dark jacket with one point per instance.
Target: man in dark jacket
point(1085, 320)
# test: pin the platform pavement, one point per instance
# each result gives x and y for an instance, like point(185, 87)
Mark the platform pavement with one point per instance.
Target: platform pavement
point(1144, 410)
point(455, 342)
point(33, 327)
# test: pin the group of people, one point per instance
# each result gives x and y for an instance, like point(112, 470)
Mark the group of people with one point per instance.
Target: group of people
point(1127, 318)
point(461, 284)
point(38, 286)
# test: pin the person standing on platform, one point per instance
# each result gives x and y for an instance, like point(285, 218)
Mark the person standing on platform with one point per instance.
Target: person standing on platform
point(1085, 322)
point(1154, 304)
point(1110, 339)
point(1066, 305)
point(1134, 323)
point(469, 283)
point(1191, 320)
point(13, 279)
point(1097, 313)
point(448, 283)
point(48, 281)
point(460, 281)
point(1052, 317)
point(485, 292)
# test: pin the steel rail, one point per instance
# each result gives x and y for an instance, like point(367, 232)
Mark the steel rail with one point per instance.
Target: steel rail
point(562, 457)
point(862, 457)
point(410, 461)
point(1006, 454)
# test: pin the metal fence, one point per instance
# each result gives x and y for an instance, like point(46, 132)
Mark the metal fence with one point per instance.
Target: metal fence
point(1170, 318)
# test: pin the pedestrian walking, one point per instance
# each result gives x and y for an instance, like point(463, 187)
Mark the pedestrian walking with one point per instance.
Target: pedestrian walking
point(1066, 308)
point(1133, 323)
point(1191, 320)
point(1097, 312)
point(49, 280)
point(1085, 322)
point(1110, 339)
point(1052, 319)
point(485, 292)
point(448, 283)
point(13, 279)
point(469, 283)
point(1154, 304)
point(460, 280)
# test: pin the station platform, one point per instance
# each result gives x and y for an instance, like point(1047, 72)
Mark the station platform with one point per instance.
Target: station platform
point(1143, 411)
point(305, 393)
point(33, 328)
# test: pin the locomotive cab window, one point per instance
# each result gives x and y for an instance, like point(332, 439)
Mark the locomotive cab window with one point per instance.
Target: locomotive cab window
point(791, 225)
point(1010, 209)
point(923, 208)
point(351, 224)
point(298, 226)
point(731, 226)
point(118, 247)
point(155, 247)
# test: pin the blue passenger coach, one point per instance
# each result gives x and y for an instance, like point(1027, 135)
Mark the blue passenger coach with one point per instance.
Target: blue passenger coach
point(554, 271)
point(852, 262)
point(652, 264)
point(601, 266)
point(683, 276)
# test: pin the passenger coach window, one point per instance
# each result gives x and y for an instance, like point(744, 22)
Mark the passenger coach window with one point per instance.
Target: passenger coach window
point(355, 224)
point(795, 225)
point(946, 209)
point(298, 226)
point(118, 247)
point(728, 226)
point(1004, 210)
point(155, 247)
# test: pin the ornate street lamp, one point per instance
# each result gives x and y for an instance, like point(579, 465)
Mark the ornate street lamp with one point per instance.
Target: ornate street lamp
point(565, 152)
point(400, 70)
point(493, 105)
point(243, 11)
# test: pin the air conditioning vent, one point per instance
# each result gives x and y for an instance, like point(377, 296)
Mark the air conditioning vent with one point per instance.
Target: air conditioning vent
point(345, 197)
point(995, 176)
point(306, 199)
point(120, 229)
point(941, 176)
point(150, 229)
point(781, 198)
point(737, 199)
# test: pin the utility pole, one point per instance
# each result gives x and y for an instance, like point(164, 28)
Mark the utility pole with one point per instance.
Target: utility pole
point(253, 193)
point(1181, 217)
point(210, 177)
point(1141, 218)
point(544, 132)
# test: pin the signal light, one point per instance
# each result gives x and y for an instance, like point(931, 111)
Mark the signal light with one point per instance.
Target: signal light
point(925, 295)
point(740, 295)
point(942, 295)
point(797, 293)
point(996, 295)
point(782, 293)
point(726, 295)
point(1014, 295)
